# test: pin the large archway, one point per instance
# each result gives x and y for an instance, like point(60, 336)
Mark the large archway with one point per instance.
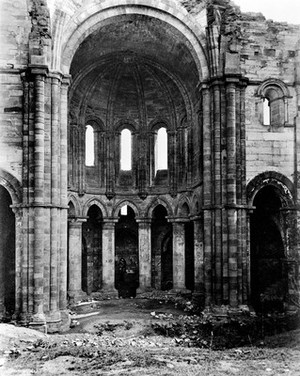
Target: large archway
point(269, 278)
point(7, 255)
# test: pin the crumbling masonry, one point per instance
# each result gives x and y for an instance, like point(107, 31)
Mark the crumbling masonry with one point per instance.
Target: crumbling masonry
point(202, 198)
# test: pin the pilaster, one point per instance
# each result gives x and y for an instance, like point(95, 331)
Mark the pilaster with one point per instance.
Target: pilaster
point(144, 254)
point(179, 285)
point(108, 256)
point(75, 292)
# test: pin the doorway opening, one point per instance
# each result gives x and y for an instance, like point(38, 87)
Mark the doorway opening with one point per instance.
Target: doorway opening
point(269, 278)
point(7, 255)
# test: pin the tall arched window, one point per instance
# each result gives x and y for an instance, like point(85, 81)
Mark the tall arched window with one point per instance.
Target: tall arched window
point(161, 149)
point(126, 150)
point(266, 113)
point(89, 146)
point(274, 94)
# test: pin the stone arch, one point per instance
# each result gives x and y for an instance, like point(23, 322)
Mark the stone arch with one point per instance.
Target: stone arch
point(88, 18)
point(156, 202)
point(182, 206)
point(274, 94)
point(12, 185)
point(195, 205)
point(97, 202)
point(158, 123)
point(126, 123)
point(95, 122)
point(121, 204)
point(270, 239)
point(275, 83)
point(76, 204)
point(10, 251)
point(280, 182)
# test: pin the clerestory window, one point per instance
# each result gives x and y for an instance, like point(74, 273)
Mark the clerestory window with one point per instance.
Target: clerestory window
point(161, 149)
point(126, 150)
point(89, 146)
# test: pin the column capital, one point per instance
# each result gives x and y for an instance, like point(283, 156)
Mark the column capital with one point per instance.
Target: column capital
point(66, 79)
point(110, 221)
point(179, 220)
point(77, 220)
point(143, 220)
point(35, 70)
point(197, 217)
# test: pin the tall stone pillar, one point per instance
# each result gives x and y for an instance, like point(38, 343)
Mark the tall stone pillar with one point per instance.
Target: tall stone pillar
point(108, 257)
point(144, 254)
point(38, 317)
point(75, 292)
point(18, 257)
point(198, 255)
point(231, 193)
point(63, 210)
point(179, 256)
point(207, 195)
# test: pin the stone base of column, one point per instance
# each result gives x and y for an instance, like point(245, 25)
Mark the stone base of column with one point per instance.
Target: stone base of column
point(107, 293)
point(38, 322)
point(75, 296)
point(53, 322)
point(65, 321)
point(180, 291)
point(144, 290)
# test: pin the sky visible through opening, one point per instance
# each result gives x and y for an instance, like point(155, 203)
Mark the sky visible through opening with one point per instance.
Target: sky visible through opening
point(280, 11)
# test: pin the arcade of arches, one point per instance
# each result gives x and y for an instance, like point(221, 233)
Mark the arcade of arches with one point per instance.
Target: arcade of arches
point(137, 154)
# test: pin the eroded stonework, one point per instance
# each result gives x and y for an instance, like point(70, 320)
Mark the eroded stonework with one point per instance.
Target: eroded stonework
point(208, 209)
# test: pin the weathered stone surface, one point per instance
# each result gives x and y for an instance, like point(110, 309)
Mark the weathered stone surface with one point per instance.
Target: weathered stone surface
point(201, 70)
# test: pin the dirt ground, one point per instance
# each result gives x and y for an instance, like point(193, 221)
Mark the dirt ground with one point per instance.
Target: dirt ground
point(117, 338)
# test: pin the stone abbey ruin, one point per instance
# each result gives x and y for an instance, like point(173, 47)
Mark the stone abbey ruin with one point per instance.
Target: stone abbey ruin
point(147, 145)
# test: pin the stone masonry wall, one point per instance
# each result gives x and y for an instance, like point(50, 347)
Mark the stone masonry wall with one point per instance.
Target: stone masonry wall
point(268, 51)
point(15, 26)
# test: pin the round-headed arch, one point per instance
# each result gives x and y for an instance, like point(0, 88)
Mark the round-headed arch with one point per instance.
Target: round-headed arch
point(12, 185)
point(91, 16)
point(282, 185)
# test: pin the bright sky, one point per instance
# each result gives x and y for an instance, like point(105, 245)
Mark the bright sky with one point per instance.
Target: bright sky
point(277, 10)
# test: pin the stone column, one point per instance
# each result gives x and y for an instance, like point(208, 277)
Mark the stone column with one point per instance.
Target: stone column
point(19, 250)
point(144, 254)
point(231, 193)
point(38, 317)
point(108, 257)
point(75, 292)
point(207, 196)
point(63, 215)
point(198, 255)
point(178, 256)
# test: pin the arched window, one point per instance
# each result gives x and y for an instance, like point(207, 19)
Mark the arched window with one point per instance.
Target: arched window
point(266, 113)
point(126, 150)
point(274, 94)
point(161, 149)
point(89, 146)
